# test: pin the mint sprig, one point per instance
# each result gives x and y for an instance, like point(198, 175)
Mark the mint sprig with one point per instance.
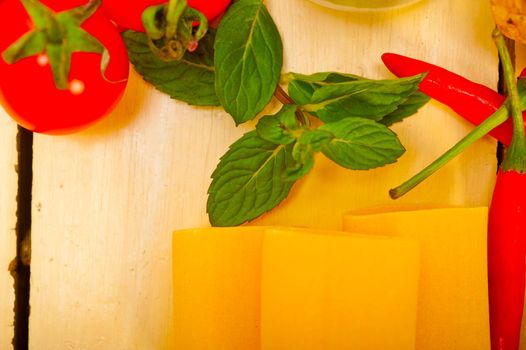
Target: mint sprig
point(242, 73)
point(365, 98)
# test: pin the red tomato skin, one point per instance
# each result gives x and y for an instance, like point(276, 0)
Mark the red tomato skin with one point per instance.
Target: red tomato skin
point(27, 89)
point(128, 13)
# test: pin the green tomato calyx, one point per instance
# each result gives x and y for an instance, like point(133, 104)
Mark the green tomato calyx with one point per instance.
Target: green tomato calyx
point(58, 36)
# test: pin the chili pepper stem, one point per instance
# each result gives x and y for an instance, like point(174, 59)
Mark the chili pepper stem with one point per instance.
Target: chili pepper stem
point(515, 158)
point(497, 118)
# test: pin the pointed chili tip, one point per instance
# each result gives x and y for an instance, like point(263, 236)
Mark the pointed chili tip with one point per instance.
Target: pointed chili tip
point(386, 56)
point(397, 64)
point(389, 57)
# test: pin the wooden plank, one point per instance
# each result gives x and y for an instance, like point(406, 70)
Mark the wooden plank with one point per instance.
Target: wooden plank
point(106, 200)
point(8, 183)
point(105, 203)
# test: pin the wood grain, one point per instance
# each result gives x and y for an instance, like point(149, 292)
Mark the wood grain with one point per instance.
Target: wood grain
point(8, 183)
point(106, 200)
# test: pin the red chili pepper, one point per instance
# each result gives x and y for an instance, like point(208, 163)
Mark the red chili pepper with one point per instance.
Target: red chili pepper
point(472, 101)
point(506, 259)
point(507, 213)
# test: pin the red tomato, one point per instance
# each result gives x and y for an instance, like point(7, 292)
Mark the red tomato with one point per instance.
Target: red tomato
point(128, 13)
point(27, 88)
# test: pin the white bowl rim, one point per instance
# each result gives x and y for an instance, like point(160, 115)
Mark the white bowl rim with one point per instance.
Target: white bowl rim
point(362, 9)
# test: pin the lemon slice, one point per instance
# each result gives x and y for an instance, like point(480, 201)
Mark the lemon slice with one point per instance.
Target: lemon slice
point(364, 5)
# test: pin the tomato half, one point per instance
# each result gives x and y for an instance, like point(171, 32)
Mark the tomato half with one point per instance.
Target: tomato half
point(128, 13)
point(27, 89)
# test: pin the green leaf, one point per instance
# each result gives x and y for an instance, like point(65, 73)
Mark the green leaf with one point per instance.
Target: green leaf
point(310, 142)
point(191, 79)
point(301, 91)
point(248, 56)
point(302, 87)
point(406, 109)
point(361, 144)
point(273, 128)
point(316, 138)
point(371, 99)
point(249, 181)
point(323, 78)
point(303, 156)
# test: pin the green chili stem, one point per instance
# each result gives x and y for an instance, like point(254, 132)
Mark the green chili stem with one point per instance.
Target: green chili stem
point(497, 118)
point(515, 158)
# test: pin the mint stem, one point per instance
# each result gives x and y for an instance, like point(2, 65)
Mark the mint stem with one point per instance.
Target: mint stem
point(282, 96)
point(285, 99)
point(515, 158)
point(497, 118)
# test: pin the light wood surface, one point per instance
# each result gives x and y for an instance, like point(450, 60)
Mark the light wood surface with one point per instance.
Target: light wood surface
point(105, 201)
point(8, 183)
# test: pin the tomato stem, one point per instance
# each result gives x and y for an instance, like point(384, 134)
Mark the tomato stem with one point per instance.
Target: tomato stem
point(515, 158)
point(170, 29)
point(175, 10)
point(497, 118)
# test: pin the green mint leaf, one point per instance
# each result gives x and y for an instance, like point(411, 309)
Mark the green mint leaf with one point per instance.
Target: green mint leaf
point(324, 78)
point(191, 79)
point(273, 128)
point(361, 144)
point(296, 173)
point(310, 142)
point(371, 99)
point(406, 109)
point(301, 87)
point(316, 138)
point(248, 57)
point(249, 181)
point(301, 91)
point(303, 156)
point(288, 119)
point(269, 128)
